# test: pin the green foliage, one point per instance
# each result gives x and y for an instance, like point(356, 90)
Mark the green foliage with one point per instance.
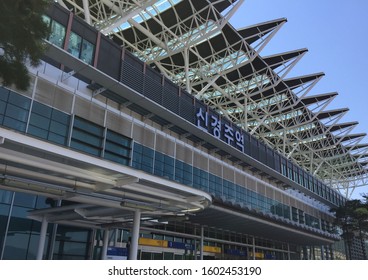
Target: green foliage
point(22, 31)
point(352, 218)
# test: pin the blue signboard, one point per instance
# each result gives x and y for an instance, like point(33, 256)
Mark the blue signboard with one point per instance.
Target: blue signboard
point(180, 245)
point(116, 253)
point(236, 252)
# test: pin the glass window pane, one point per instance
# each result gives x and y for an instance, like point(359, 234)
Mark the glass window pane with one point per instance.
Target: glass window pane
point(74, 45)
point(6, 196)
point(46, 19)
point(42, 202)
point(39, 121)
point(17, 239)
point(4, 94)
point(60, 117)
point(87, 52)
point(69, 249)
point(4, 214)
point(25, 199)
point(86, 138)
point(16, 113)
point(57, 35)
point(90, 127)
point(38, 132)
point(117, 149)
point(75, 234)
point(41, 109)
point(59, 128)
point(113, 157)
point(19, 100)
point(62, 140)
point(2, 107)
point(85, 148)
point(14, 124)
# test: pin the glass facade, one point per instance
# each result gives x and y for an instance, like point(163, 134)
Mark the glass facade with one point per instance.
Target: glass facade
point(77, 46)
point(218, 244)
point(80, 48)
point(84, 50)
point(87, 137)
point(49, 124)
point(14, 110)
point(53, 125)
point(157, 163)
point(57, 32)
point(25, 115)
point(19, 235)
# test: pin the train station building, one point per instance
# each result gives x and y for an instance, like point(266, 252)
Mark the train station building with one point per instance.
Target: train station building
point(156, 130)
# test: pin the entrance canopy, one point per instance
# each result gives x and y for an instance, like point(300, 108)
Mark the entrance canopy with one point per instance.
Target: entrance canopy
point(102, 192)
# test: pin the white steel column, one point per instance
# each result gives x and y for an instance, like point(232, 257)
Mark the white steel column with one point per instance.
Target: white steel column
point(195, 244)
point(135, 235)
point(53, 236)
point(186, 65)
point(41, 242)
point(202, 243)
point(87, 15)
point(322, 252)
point(105, 244)
point(116, 232)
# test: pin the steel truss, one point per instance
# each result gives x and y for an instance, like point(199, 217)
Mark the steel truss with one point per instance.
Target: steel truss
point(192, 43)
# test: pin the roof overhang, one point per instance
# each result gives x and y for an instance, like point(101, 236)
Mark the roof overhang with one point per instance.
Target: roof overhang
point(31, 165)
point(261, 225)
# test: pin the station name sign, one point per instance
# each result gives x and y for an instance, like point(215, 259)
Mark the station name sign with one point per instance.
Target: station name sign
point(211, 123)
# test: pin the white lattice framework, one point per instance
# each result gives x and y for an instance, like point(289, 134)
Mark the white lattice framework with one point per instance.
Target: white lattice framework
point(192, 43)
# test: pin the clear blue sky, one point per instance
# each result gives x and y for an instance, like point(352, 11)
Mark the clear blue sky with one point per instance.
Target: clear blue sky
point(336, 35)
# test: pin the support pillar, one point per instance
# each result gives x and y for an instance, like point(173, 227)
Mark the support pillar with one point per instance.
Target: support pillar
point(116, 233)
point(195, 244)
point(202, 244)
point(327, 248)
point(322, 252)
point(313, 253)
point(288, 247)
point(305, 253)
point(53, 236)
point(105, 244)
point(254, 248)
point(41, 243)
point(331, 253)
point(133, 250)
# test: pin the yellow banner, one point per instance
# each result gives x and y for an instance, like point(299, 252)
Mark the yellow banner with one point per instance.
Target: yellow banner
point(152, 242)
point(258, 255)
point(212, 249)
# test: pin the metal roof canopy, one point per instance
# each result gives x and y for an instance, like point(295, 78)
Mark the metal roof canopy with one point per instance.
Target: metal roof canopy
point(196, 34)
point(31, 165)
point(184, 127)
point(102, 194)
point(217, 216)
point(261, 225)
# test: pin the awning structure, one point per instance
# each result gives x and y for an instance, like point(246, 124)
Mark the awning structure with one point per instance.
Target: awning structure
point(104, 195)
point(262, 224)
point(193, 43)
point(101, 193)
